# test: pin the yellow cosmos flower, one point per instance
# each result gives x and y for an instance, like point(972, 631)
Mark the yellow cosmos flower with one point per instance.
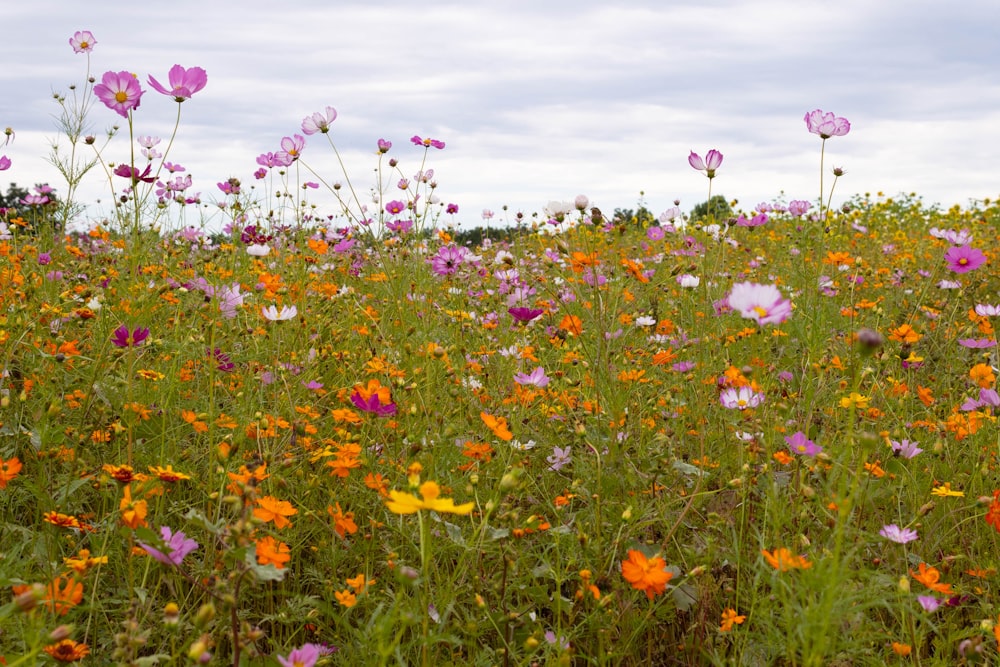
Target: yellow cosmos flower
point(401, 502)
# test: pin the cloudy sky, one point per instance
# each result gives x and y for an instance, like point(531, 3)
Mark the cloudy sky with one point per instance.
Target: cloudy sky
point(540, 100)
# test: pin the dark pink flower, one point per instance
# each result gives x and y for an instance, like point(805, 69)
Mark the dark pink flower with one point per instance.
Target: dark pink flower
point(183, 82)
point(120, 92)
point(395, 207)
point(451, 209)
point(384, 146)
point(963, 259)
point(827, 125)
point(523, 314)
point(4, 163)
point(712, 161)
point(82, 41)
point(133, 173)
point(373, 405)
point(121, 337)
point(427, 143)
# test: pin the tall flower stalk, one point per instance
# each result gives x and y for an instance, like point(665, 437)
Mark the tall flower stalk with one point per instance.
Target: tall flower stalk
point(826, 125)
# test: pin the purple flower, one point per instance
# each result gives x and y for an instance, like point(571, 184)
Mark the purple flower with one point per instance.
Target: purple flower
point(798, 443)
point(304, 656)
point(224, 363)
point(82, 41)
point(712, 161)
point(537, 378)
point(905, 449)
point(756, 221)
point(183, 82)
point(120, 92)
point(319, 121)
point(121, 337)
point(761, 303)
point(178, 545)
point(826, 125)
point(894, 533)
point(929, 603)
point(655, 233)
point(395, 207)
point(384, 146)
point(426, 143)
point(133, 173)
point(559, 457)
point(451, 209)
point(963, 259)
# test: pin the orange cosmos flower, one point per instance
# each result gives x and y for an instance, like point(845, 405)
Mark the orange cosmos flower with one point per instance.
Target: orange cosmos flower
point(272, 552)
point(64, 521)
point(343, 522)
point(270, 508)
point(133, 511)
point(168, 474)
point(783, 560)
point(993, 511)
point(571, 324)
point(648, 575)
point(346, 598)
point(930, 578)
point(67, 650)
point(498, 425)
point(730, 618)
point(9, 470)
point(84, 561)
point(60, 595)
point(904, 333)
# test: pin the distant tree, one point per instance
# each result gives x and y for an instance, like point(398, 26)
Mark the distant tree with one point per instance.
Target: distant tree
point(627, 216)
point(717, 208)
point(39, 215)
point(14, 197)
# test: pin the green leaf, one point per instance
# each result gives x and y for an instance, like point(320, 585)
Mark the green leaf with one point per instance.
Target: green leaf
point(263, 572)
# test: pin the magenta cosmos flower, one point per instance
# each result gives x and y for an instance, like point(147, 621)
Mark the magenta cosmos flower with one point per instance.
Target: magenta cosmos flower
point(122, 338)
point(827, 125)
point(963, 259)
point(712, 161)
point(82, 41)
point(760, 303)
point(304, 656)
point(373, 405)
point(524, 314)
point(319, 121)
point(120, 92)
point(448, 259)
point(183, 82)
point(799, 444)
point(427, 143)
point(4, 163)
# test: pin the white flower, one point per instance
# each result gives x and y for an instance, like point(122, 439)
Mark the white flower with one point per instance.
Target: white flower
point(258, 250)
point(687, 280)
point(287, 312)
point(645, 321)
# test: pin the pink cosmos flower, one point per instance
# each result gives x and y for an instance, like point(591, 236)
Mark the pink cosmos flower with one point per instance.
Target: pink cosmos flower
point(894, 533)
point(524, 314)
point(827, 125)
point(427, 143)
point(761, 303)
point(120, 92)
point(183, 82)
point(384, 146)
point(82, 41)
point(448, 259)
point(536, 378)
point(134, 174)
point(395, 207)
point(798, 207)
point(963, 259)
point(304, 656)
point(799, 444)
point(291, 148)
point(740, 398)
point(319, 121)
point(178, 546)
point(4, 163)
point(373, 405)
point(712, 161)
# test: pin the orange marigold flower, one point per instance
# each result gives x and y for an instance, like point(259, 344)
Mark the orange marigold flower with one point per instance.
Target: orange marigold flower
point(270, 508)
point(648, 575)
point(272, 552)
point(901, 649)
point(783, 560)
point(123, 473)
point(67, 650)
point(9, 470)
point(61, 594)
point(930, 577)
point(64, 520)
point(168, 474)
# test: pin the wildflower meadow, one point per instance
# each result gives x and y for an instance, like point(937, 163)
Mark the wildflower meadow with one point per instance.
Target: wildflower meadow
point(306, 425)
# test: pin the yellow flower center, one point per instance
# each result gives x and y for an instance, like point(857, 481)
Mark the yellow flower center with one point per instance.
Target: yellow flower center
point(121, 96)
point(760, 311)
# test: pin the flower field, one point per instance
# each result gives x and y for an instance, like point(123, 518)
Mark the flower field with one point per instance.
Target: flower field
point(327, 433)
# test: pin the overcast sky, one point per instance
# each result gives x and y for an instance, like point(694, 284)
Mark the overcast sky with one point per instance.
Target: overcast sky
point(541, 100)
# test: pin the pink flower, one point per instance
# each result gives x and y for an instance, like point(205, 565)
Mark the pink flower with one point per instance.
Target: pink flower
point(827, 125)
point(712, 161)
point(427, 143)
point(82, 41)
point(894, 533)
point(761, 303)
point(178, 546)
point(384, 146)
point(134, 174)
point(319, 122)
point(963, 259)
point(741, 398)
point(183, 82)
point(373, 405)
point(291, 148)
point(122, 338)
point(524, 314)
point(120, 92)
point(395, 207)
point(4, 163)
point(448, 259)
point(537, 378)
point(799, 444)
point(305, 656)
point(798, 207)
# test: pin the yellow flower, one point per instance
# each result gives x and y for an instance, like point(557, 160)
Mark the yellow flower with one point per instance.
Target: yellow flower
point(406, 503)
point(783, 560)
point(945, 490)
point(855, 400)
